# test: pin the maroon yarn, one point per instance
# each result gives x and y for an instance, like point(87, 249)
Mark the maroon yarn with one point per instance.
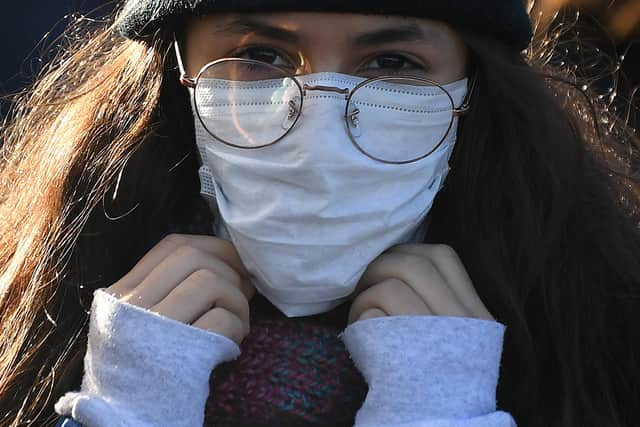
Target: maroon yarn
point(292, 372)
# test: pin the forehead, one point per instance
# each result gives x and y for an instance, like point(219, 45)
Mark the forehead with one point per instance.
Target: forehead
point(304, 27)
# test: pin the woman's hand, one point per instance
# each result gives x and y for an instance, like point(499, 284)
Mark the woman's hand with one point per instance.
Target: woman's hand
point(417, 279)
point(197, 280)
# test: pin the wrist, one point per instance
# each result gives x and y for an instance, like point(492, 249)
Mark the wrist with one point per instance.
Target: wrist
point(143, 366)
point(427, 366)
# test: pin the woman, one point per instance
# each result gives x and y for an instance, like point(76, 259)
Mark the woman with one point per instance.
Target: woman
point(281, 117)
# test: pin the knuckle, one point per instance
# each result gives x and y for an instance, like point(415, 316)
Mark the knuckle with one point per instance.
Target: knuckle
point(373, 313)
point(393, 284)
point(408, 296)
point(206, 276)
point(388, 289)
point(369, 297)
point(187, 252)
point(225, 245)
point(187, 291)
point(216, 320)
point(244, 310)
point(174, 239)
point(359, 301)
point(119, 288)
point(443, 251)
point(225, 323)
point(397, 297)
point(412, 262)
point(423, 262)
point(135, 299)
point(128, 298)
point(199, 257)
point(241, 321)
point(244, 306)
point(414, 247)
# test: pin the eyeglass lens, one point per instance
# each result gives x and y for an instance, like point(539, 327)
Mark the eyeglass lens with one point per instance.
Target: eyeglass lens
point(250, 105)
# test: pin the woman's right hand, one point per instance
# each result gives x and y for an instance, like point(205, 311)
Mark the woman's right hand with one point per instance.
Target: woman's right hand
point(197, 280)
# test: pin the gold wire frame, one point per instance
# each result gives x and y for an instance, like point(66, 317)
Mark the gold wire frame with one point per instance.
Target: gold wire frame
point(191, 82)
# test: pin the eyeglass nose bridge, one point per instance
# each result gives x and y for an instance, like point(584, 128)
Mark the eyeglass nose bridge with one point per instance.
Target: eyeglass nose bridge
point(335, 89)
point(353, 117)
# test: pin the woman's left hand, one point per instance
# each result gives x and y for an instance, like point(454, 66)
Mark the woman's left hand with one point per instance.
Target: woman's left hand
point(417, 279)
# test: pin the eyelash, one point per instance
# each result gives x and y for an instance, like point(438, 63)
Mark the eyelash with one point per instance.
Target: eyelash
point(413, 63)
point(293, 66)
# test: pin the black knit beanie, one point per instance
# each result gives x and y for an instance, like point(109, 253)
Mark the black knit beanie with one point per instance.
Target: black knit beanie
point(506, 20)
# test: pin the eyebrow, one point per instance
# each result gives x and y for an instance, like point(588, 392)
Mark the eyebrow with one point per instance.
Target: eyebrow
point(244, 26)
point(406, 33)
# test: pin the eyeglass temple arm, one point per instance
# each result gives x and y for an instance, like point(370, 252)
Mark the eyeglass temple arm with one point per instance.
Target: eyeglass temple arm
point(466, 103)
point(185, 80)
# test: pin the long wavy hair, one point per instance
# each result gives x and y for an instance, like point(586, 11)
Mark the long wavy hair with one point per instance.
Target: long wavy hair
point(99, 164)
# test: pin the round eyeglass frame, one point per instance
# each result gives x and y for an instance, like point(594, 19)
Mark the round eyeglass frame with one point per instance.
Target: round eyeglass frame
point(192, 83)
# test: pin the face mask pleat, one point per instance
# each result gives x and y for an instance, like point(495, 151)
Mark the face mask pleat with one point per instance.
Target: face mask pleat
point(310, 212)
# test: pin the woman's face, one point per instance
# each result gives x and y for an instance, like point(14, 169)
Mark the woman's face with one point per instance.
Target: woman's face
point(303, 43)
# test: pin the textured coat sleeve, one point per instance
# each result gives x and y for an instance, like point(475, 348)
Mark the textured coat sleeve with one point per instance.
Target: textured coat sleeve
point(428, 371)
point(143, 369)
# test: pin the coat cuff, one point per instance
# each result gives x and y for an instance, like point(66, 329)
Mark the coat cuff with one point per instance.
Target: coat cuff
point(421, 368)
point(144, 369)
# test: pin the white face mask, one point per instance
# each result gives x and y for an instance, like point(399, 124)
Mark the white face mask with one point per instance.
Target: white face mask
point(311, 212)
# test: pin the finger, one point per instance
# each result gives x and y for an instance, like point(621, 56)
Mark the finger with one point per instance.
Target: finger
point(450, 266)
point(201, 291)
point(371, 313)
point(393, 297)
point(221, 248)
point(223, 322)
point(175, 269)
point(420, 274)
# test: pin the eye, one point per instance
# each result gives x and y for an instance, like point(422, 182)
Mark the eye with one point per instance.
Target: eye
point(265, 54)
point(391, 63)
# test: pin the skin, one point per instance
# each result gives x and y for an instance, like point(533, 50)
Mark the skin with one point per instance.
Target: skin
point(200, 280)
point(306, 44)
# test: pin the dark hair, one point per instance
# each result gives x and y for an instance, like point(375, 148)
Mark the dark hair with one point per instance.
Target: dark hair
point(541, 207)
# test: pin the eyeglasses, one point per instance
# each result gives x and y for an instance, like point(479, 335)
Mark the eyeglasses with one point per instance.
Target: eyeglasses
point(248, 104)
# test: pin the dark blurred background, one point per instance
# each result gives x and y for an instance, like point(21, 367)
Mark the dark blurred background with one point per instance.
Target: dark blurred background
point(27, 29)
point(608, 30)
